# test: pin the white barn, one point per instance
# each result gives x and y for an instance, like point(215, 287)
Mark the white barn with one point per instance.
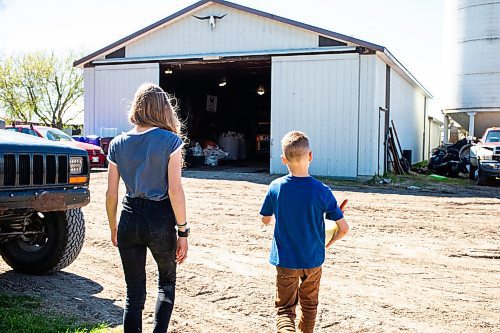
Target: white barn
point(269, 75)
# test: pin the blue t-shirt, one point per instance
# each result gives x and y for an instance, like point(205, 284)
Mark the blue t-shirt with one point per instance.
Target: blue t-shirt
point(142, 159)
point(299, 205)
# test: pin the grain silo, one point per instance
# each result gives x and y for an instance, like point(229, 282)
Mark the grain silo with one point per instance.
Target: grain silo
point(472, 58)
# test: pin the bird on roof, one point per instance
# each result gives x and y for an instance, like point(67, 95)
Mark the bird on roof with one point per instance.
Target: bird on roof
point(211, 19)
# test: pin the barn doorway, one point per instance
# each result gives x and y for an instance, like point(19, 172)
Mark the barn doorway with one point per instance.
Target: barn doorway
point(225, 103)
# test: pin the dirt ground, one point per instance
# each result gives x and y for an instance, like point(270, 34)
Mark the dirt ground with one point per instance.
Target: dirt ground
point(416, 261)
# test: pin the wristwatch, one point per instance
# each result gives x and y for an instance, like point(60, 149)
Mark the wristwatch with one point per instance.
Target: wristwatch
point(184, 233)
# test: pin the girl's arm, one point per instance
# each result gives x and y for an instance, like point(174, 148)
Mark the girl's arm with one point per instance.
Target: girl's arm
point(178, 200)
point(112, 200)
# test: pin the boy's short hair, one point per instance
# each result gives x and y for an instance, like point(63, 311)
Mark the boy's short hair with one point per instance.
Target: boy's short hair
point(295, 144)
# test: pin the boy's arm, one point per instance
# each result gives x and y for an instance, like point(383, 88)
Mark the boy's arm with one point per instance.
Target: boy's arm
point(335, 213)
point(343, 229)
point(267, 219)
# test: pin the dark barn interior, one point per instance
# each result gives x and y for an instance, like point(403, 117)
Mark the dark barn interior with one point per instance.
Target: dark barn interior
point(216, 97)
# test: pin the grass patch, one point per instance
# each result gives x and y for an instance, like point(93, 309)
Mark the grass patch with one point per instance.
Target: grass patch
point(334, 181)
point(420, 165)
point(421, 180)
point(26, 314)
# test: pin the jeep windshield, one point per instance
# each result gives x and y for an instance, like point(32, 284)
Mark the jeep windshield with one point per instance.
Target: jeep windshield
point(54, 134)
point(492, 136)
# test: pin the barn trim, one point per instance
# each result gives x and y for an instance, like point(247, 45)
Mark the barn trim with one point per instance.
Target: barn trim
point(220, 56)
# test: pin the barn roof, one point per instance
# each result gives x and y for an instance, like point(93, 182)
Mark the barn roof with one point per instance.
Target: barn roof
point(381, 50)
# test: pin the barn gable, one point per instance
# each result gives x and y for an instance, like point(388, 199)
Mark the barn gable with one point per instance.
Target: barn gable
point(237, 31)
point(243, 29)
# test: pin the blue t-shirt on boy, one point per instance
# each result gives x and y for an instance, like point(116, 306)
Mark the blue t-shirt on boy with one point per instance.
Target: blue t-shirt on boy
point(299, 205)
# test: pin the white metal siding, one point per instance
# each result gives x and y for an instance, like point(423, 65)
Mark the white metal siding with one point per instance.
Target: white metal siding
point(407, 112)
point(425, 129)
point(114, 90)
point(372, 94)
point(318, 95)
point(88, 100)
point(434, 137)
point(238, 31)
point(380, 93)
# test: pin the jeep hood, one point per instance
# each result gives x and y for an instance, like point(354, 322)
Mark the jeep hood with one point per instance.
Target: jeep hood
point(12, 142)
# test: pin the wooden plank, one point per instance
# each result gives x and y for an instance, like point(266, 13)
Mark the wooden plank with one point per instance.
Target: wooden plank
point(393, 149)
point(396, 136)
point(400, 160)
point(403, 164)
point(395, 158)
point(406, 163)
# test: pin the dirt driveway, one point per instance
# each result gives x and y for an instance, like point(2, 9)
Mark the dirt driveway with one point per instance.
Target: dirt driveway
point(414, 261)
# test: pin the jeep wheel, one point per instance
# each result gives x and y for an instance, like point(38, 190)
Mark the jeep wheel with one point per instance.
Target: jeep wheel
point(56, 245)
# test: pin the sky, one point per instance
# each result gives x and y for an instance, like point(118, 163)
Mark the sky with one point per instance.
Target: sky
point(410, 29)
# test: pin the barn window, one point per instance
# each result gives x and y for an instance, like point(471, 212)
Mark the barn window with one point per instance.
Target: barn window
point(324, 41)
point(120, 53)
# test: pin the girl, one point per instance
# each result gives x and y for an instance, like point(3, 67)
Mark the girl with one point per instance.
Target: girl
point(149, 160)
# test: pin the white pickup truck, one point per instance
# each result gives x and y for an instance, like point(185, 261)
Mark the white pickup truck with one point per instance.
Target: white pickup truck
point(485, 157)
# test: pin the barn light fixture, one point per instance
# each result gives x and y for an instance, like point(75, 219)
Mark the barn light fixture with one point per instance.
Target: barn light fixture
point(222, 83)
point(168, 71)
point(261, 91)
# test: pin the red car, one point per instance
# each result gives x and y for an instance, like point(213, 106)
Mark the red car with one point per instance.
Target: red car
point(96, 154)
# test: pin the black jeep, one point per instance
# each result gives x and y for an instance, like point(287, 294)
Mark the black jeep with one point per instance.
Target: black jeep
point(43, 185)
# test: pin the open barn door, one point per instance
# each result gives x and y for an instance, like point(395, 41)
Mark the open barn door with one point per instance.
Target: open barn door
point(317, 94)
point(109, 91)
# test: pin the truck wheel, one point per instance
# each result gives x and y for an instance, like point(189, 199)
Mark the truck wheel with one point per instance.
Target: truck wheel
point(472, 172)
point(56, 246)
point(481, 178)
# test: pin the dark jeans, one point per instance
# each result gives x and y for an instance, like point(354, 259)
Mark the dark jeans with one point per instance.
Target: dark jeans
point(147, 224)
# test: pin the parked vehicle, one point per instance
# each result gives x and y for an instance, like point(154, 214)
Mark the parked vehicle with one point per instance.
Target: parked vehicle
point(96, 154)
point(450, 160)
point(43, 185)
point(485, 157)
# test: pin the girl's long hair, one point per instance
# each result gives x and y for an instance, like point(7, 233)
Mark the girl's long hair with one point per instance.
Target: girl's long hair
point(152, 107)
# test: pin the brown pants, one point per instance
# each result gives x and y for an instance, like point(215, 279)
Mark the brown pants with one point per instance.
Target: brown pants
point(289, 292)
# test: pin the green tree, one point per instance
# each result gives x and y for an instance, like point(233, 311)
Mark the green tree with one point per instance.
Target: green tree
point(40, 87)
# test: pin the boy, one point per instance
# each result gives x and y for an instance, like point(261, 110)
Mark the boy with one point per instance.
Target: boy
point(298, 203)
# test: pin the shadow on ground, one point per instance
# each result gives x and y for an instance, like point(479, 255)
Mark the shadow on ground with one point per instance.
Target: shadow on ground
point(436, 189)
point(65, 293)
point(237, 175)
point(449, 191)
